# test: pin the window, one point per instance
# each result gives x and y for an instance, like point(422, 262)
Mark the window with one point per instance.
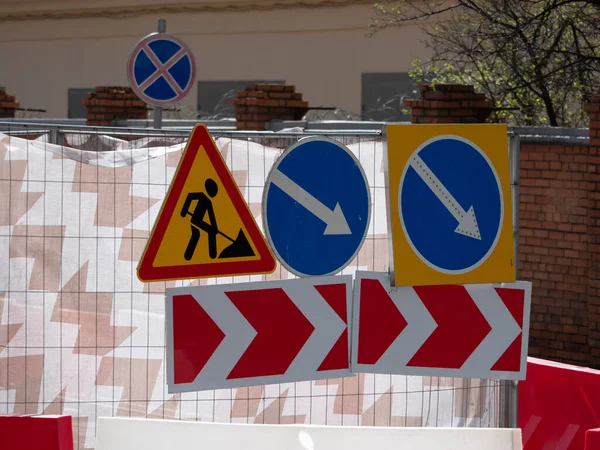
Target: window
point(383, 94)
point(214, 97)
point(76, 98)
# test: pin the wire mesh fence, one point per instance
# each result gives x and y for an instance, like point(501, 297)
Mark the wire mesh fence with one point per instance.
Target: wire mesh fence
point(81, 335)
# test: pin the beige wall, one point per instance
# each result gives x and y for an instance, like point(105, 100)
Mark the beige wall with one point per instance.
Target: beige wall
point(323, 51)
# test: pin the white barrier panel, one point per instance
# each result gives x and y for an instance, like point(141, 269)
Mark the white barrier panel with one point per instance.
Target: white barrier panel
point(128, 434)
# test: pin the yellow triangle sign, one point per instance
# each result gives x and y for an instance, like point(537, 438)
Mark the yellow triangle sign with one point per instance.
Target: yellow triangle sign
point(204, 228)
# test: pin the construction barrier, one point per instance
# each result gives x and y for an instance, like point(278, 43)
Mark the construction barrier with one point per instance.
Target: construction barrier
point(127, 434)
point(36, 433)
point(592, 439)
point(558, 403)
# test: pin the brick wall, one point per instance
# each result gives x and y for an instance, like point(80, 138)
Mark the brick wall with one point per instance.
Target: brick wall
point(261, 103)
point(554, 250)
point(559, 232)
point(110, 103)
point(593, 109)
point(560, 246)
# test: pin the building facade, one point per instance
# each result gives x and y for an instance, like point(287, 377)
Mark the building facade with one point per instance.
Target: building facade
point(53, 52)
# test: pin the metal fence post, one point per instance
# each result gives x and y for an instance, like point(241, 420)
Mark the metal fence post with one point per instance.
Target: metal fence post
point(515, 160)
point(509, 390)
point(56, 137)
point(162, 28)
point(515, 182)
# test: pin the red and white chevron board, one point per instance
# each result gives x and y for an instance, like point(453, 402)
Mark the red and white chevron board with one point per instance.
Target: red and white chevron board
point(245, 334)
point(471, 331)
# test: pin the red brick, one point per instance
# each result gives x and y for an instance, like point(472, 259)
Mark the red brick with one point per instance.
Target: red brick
point(281, 95)
point(580, 263)
point(257, 109)
point(268, 103)
point(526, 249)
point(460, 96)
point(572, 237)
point(437, 112)
point(435, 95)
point(442, 104)
point(414, 103)
point(542, 165)
point(543, 276)
point(296, 104)
point(253, 94)
point(270, 87)
point(542, 183)
point(563, 245)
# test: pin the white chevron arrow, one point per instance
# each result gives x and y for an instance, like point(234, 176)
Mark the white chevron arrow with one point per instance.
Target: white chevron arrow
point(328, 327)
point(335, 220)
point(467, 222)
point(238, 335)
point(504, 328)
point(419, 327)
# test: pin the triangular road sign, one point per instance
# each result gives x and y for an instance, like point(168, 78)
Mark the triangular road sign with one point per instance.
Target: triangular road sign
point(204, 228)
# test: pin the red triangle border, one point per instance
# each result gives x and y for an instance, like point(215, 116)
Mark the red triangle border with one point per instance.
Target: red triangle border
point(146, 272)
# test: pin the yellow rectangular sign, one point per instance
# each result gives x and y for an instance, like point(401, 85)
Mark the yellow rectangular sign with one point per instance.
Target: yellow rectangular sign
point(450, 206)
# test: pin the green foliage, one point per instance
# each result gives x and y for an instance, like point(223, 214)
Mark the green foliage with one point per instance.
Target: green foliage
point(538, 60)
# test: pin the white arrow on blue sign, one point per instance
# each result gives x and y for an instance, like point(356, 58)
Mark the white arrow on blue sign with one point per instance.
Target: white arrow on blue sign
point(316, 207)
point(161, 69)
point(451, 204)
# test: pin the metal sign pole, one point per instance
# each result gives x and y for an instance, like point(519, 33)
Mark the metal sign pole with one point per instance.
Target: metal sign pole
point(162, 28)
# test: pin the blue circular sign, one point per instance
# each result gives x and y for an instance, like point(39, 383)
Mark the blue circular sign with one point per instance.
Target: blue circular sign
point(451, 205)
point(161, 69)
point(316, 207)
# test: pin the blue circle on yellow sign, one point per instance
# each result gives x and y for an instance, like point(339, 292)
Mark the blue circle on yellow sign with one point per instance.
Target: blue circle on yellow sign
point(451, 204)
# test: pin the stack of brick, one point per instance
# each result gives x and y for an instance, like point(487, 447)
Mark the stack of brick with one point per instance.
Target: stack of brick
point(8, 105)
point(261, 103)
point(110, 103)
point(449, 103)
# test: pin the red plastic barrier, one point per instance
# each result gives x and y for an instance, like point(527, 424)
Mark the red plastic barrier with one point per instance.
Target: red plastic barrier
point(36, 433)
point(558, 403)
point(592, 439)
